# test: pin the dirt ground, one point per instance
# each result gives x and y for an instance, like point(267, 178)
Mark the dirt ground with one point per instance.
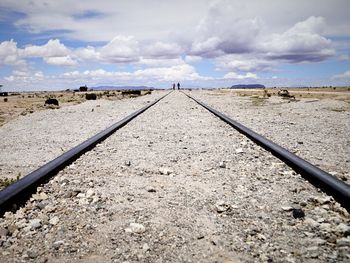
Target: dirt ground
point(24, 103)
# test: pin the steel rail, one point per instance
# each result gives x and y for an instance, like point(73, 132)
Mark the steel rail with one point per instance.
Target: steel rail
point(319, 178)
point(15, 194)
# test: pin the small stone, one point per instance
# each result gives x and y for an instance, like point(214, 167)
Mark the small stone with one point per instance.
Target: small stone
point(313, 252)
point(3, 232)
point(239, 150)
point(135, 228)
point(40, 196)
point(165, 171)
point(54, 221)
point(222, 165)
point(318, 241)
point(32, 254)
point(57, 244)
point(80, 195)
point(12, 228)
point(344, 241)
point(50, 208)
point(41, 205)
point(145, 247)
point(309, 221)
point(326, 227)
point(127, 163)
point(84, 201)
point(35, 223)
point(221, 206)
point(287, 208)
point(343, 229)
point(89, 193)
point(151, 190)
point(298, 213)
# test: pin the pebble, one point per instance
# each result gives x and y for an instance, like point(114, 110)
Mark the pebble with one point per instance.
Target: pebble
point(222, 165)
point(344, 241)
point(145, 247)
point(221, 206)
point(135, 228)
point(298, 213)
point(54, 221)
point(287, 208)
point(343, 229)
point(57, 244)
point(35, 223)
point(90, 193)
point(3, 232)
point(239, 150)
point(40, 196)
point(165, 171)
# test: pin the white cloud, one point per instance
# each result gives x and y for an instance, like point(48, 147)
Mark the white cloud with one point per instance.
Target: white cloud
point(25, 76)
point(9, 54)
point(53, 48)
point(343, 57)
point(244, 62)
point(162, 50)
point(121, 49)
point(192, 59)
point(300, 43)
point(161, 62)
point(160, 74)
point(60, 61)
point(222, 32)
point(234, 75)
point(345, 75)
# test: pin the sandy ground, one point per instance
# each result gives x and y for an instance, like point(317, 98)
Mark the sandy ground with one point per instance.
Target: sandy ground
point(179, 185)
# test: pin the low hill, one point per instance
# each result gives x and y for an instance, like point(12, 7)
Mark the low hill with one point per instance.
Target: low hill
point(248, 86)
point(122, 88)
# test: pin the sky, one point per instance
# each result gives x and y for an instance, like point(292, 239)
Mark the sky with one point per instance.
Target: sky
point(63, 44)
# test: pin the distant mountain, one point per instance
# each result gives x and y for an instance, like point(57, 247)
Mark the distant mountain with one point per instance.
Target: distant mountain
point(248, 86)
point(121, 88)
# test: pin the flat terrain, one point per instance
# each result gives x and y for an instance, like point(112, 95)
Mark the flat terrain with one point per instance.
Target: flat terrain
point(178, 185)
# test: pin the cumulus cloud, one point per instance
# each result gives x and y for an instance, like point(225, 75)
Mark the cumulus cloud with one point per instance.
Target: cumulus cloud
point(235, 76)
point(10, 55)
point(301, 43)
point(173, 73)
point(222, 32)
point(163, 50)
point(345, 75)
point(25, 76)
point(53, 48)
point(244, 62)
point(120, 49)
point(60, 61)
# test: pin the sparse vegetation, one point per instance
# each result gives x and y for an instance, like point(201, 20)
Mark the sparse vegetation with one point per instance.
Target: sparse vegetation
point(90, 96)
point(5, 182)
point(258, 100)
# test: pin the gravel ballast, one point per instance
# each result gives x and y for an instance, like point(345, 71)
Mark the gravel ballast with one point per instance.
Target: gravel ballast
point(177, 185)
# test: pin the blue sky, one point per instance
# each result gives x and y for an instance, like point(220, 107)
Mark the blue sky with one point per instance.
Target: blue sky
point(50, 45)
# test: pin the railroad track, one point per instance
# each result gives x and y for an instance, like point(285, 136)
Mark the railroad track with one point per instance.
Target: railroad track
point(17, 193)
point(179, 210)
point(14, 195)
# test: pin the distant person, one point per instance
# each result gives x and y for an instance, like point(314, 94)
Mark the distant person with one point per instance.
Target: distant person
point(178, 85)
point(173, 86)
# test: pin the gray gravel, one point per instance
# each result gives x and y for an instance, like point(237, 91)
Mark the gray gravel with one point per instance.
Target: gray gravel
point(32, 140)
point(313, 129)
point(177, 185)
